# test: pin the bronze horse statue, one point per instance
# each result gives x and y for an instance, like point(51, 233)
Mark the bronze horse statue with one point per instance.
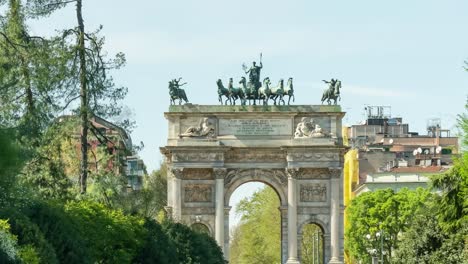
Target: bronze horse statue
point(277, 92)
point(265, 92)
point(222, 91)
point(177, 93)
point(236, 93)
point(249, 91)
point(333, 92)
point(289, 90)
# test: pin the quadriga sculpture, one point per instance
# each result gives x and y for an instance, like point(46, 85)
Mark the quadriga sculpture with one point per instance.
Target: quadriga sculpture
point(264, 92)
point(236, 93)
point(289, 90)
point(249, 91)
point(277, 92)
point(222, 91)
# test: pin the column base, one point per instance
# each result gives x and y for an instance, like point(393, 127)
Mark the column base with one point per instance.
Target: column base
point(293, 261)
point(335, 261)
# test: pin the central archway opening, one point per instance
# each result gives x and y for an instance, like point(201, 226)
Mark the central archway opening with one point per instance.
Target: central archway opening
point(254, 224)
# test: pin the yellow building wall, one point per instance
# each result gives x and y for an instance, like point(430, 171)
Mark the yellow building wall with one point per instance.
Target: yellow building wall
point(350, 178)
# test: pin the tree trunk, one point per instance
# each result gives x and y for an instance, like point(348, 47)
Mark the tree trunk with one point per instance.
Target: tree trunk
point(83, 100)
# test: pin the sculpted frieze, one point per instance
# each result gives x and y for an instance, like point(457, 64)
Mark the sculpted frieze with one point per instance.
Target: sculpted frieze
point(196, 157)
point(198, 193)
point(313, 156)
point(278, 174)
point(198, 174)
point(254, 156)
point(314, 192)
point(314, 173)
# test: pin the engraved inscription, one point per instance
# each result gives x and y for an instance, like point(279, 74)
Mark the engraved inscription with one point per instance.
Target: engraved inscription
point(198, 193)
point(313, 192)
point(255, 127)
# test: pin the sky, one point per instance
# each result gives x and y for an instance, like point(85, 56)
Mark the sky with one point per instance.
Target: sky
point(405, 54)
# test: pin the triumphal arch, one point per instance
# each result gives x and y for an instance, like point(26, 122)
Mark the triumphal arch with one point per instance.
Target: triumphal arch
point(297, 150)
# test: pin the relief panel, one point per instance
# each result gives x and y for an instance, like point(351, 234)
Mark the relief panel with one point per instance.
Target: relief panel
point(196, 193)
point(313, 192)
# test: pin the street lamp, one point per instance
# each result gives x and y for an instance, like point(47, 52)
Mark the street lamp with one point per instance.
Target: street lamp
point(373, 251)
point(380, 234)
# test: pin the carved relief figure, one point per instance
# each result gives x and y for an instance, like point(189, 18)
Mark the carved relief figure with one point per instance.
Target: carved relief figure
point(308, 129)
point(206, 128)
point(313, 192)
point(198, 193)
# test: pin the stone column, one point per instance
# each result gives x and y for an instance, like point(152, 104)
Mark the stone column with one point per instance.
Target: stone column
point(292, 217)
point(226, 231)
point(176, 193)
point(219, 201)
point(335, 216)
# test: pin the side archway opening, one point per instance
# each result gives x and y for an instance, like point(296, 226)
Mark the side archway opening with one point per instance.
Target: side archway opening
point(312, 244)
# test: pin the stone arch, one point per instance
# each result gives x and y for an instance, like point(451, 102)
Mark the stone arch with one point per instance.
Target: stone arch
point(313, 219)
point(201, 227)
point(272, 178)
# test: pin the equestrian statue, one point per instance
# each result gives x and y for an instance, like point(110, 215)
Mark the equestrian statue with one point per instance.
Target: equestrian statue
point(333, 91)
point(175, 92)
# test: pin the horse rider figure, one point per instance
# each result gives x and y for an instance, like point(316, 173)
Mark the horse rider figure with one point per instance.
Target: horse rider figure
point(254, 74)
point(331, 84)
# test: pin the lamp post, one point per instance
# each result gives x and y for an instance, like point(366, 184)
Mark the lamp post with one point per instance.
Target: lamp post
point(373, 252)
point(380, 234)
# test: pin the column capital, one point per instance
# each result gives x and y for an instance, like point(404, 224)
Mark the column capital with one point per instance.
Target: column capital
point(292, 173)
point(177, 172)
point(219, 173)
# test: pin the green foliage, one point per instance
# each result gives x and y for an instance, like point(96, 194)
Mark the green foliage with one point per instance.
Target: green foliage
point(32, 71)
point(10, 162)
point(193, 247)
point(312, 244)
point(258, 237)
point(382, 211)
point(61, 231)
point(51, 170)
point(157, 248)
point(113, 237)
point(453, 203)
point(151, 199)
point(8, 243)
point(30, 235)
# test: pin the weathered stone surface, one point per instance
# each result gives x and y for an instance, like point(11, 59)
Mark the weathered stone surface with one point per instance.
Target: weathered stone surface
point(255, 127)
point(256, 143)
point(313, 192)
point(198, 193)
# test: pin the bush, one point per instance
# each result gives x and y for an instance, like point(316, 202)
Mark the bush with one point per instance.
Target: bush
point(61, 231)
point(157, 247)
point(111, 236)
point(193, 247)
point(29, 234)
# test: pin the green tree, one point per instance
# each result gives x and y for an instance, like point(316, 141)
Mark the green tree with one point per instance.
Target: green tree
point(385, 212)
point(426, 242)
point(312, 244)
point(453, 202)
point(32, 71)
point(193, 247)
point(257, 239)
point(87, 76)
